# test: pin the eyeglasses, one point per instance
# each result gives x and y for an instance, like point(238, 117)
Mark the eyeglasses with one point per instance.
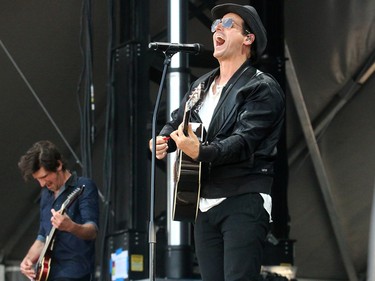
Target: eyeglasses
point(225, 22)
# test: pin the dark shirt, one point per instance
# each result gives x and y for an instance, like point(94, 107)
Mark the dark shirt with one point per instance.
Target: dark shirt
point(71, 257)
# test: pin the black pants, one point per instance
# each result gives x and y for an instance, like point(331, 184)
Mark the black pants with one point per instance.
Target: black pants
point(230, 237)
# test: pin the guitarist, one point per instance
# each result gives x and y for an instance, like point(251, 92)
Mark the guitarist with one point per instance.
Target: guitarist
point(243, 112)
point(72, 254)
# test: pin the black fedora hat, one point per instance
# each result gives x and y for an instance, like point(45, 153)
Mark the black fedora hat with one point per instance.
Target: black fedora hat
point(250, 17)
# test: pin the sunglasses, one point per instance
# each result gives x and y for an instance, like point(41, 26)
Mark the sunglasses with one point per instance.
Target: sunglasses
point(225, 22)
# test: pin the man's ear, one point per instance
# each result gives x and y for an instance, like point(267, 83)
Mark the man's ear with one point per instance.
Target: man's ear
point(249, 39)
point(59, 168)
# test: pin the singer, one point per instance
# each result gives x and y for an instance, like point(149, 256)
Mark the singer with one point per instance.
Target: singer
point(242, 110)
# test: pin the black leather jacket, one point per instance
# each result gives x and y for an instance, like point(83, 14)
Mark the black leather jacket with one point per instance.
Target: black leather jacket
point(240, 146)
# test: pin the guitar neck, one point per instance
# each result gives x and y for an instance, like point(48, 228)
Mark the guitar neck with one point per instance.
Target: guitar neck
point(185, 122)
point(189, 105)
point(47, 245)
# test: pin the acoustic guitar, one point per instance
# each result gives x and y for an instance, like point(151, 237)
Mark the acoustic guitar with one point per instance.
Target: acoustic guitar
point(42, 267)
point(187, 170)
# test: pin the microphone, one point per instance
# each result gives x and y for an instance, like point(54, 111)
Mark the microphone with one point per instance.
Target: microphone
point(176, 47)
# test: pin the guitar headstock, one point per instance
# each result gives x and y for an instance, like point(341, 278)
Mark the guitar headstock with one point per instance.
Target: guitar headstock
point(72, 197)
point(194, 96)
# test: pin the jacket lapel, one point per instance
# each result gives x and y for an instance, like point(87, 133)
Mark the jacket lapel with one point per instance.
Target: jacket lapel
point(227, 105)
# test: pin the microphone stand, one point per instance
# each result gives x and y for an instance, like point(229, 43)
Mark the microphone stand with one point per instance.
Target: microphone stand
point(152, 232)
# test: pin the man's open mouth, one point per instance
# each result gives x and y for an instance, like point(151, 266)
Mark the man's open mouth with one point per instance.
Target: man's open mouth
point(219, 40)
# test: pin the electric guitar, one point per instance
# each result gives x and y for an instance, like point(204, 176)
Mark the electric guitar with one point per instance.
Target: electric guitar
point(42, 267)
point(188, 171)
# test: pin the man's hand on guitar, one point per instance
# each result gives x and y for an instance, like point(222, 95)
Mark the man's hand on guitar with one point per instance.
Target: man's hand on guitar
point(161, 146)
point(188, 144)
point(27, 268)
point(61, 222)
